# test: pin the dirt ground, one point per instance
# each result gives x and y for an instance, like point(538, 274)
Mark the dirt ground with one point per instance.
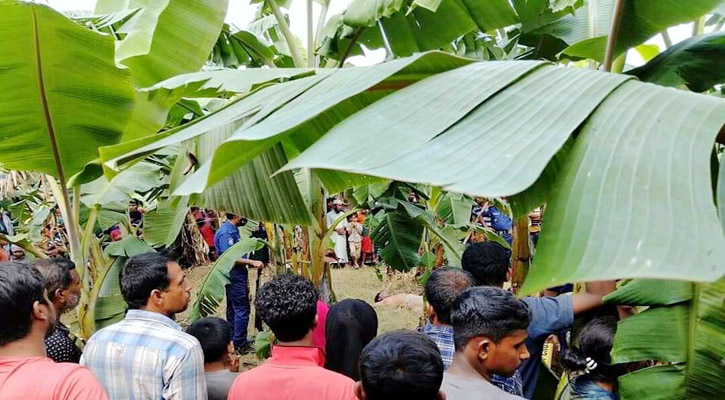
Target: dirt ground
point(347, 283)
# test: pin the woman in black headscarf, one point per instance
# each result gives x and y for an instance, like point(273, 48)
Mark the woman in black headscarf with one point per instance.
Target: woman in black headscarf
point(351, 325)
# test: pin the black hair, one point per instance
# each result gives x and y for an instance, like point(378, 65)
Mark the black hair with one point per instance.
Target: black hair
point(488, 262)
point(56, 274)
point(487, 311)
point(288, 304)
point(595, 341)
point(232, 216)
point(401, 365)
point(21, 285)
point(443, 288)
point(141, 275)
point(200, 222)
point(214, 335)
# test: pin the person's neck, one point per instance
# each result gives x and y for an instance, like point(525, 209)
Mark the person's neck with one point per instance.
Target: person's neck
point(152, 308)
point(306, 341)
point(436, 322)
point(463, 368)
point(32, 345)
point(215, 366)
point(606, 385)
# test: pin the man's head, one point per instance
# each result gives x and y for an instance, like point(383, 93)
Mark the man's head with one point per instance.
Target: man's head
point(489, 329)
point(488, 262)
point(215, 336)
point(24, 305)
point(400, 365)
point(442, 289)
point(236, 220)
point(288, 304)
point(153, 282)
point(17, 252)
point(134, 204)
point(61, 282)
point(337, 203)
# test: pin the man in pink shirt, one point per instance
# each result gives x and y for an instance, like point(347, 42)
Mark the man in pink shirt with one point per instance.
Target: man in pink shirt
point(288, 304)
point(27, 318)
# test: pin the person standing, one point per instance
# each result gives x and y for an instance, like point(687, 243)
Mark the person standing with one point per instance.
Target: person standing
point(64, 290)
point(288, 304)
point(28, 316)
point(147, 355)
point(221, 365)
point(238, 307)
point(355, 230)
point(339, 237)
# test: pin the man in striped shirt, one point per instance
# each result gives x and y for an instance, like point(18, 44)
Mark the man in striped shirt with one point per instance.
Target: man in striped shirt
point(147, 355)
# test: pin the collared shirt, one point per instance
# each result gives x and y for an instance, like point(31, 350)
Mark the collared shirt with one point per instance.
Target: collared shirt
point(146, 356)
point(226, 237)
point(442, 335)
point(463, 388)
point(292, 373)
point(60, 346)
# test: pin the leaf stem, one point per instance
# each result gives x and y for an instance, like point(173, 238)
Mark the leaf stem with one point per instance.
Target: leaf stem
point(321, 20)
point(288, 36)
point(613, 32)
point(349, 47)
point(310, 37)
point(666, 38)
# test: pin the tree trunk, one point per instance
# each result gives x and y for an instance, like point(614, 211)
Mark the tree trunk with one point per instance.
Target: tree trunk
point(521, 253)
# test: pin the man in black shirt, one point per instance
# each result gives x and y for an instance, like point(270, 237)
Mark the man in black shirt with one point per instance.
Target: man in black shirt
point(64, 288)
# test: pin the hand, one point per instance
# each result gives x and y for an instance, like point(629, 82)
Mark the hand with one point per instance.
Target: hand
point(257, 264)
point(234, 367)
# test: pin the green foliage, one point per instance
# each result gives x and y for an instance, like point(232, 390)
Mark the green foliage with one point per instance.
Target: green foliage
point(212, 290)
point(698, 63)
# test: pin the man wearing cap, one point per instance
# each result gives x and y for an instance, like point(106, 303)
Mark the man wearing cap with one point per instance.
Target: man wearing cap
point(339, 237)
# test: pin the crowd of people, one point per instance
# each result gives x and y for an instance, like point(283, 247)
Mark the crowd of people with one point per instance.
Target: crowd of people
point(350, 236)
point(480, 341)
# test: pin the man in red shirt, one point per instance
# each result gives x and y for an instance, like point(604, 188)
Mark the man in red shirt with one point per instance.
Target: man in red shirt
point(288, 304)
point(27, 318)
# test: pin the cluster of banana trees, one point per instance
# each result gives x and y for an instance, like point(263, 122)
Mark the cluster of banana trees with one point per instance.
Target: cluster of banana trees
point(628, 170)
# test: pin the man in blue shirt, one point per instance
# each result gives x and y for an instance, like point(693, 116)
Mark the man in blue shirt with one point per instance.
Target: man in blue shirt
point(238, 308)
point(490, 265)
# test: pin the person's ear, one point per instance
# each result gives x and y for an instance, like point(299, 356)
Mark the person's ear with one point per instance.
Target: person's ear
point(157, 297)
point(360, 391)
point(441, 395)
point(59, 294)
point(509, 273)
point(315, 322)
point(484, 348)
point(429, 311)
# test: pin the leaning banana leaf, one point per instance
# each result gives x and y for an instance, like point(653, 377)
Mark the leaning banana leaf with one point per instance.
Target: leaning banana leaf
point(398, 236)
point(213, 289)
point(57, 106)
point(686, 336)
point(162, 225)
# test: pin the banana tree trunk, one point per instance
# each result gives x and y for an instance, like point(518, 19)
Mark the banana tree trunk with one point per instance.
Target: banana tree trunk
point(521, 253)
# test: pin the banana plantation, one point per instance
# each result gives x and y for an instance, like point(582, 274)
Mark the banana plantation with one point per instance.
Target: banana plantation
point(563, 108)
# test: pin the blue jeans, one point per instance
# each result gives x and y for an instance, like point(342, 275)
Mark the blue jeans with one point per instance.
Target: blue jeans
point(238, 305)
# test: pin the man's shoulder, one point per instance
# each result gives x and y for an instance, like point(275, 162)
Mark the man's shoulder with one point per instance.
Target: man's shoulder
point(473, 388)
point(153, 333)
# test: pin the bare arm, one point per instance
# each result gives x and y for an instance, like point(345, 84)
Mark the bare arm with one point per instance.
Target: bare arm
point(242, 262)
point(592, 298)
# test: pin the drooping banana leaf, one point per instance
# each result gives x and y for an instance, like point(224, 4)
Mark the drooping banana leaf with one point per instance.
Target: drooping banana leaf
point(697, 62)
point(398, 236)
point(162, 225)
point(213, 289)
point(61, 94)
point(687, 336)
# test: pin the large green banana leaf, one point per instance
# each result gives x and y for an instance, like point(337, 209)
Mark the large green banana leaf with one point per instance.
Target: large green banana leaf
point(164, 38)
point(61, 96)
point(683, 329)
point(162, 225)
point(698, 63)
point(642, 19)
point(213, 290)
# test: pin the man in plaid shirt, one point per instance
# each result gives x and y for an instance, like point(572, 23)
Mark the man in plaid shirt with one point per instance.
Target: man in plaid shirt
point(147, 355)
point(441, 290)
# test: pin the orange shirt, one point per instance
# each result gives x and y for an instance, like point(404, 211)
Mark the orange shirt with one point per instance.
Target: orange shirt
point(39, 378)
point(292, 373)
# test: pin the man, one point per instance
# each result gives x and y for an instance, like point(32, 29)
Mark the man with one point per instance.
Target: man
point(238, 308)
point(64, 290)
point(147, 355)
point(355, 230)
point(221, 365)
point(489, 326)
point(339, 237)
point(490, 265)
point(17, 253)
point(28, 317)
point(400, 365)
point(443, 288)
point(288, 305)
